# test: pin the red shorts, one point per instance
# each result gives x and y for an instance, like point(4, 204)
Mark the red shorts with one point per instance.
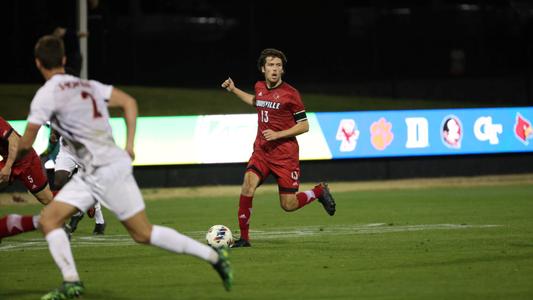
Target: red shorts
point(30, 172)
point(286, 171)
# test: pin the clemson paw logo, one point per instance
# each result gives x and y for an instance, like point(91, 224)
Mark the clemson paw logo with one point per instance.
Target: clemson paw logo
point(381, 135)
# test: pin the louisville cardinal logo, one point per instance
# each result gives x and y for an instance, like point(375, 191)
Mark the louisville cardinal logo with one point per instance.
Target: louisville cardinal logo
point(522, 129)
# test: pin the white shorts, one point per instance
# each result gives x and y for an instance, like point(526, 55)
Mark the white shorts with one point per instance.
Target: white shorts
point(65, 160)
point(112, 185)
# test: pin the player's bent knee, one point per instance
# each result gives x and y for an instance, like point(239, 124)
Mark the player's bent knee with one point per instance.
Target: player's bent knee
point(142, 237)
point(289, 206)
point(48, 222)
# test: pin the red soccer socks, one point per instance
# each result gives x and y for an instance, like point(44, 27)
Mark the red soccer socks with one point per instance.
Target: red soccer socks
point(244, 213)
point(15, 224)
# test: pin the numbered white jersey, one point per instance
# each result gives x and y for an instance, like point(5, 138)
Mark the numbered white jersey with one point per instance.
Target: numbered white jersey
point(78, 110)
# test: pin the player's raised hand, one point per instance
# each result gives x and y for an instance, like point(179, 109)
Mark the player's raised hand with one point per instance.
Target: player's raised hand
point(131, 152)
point(4, 174)
point(228, 84)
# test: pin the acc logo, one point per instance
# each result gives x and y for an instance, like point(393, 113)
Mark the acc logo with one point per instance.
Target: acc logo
point(522, 129)
point(381, 134)
point(348, 134)
point(485, 130)
point(452, 132)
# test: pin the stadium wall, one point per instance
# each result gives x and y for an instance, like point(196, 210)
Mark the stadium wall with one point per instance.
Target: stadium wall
point(343, 170)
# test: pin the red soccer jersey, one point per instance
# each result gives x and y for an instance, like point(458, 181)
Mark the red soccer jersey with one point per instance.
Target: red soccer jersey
point(5, 131)
point(277, 109)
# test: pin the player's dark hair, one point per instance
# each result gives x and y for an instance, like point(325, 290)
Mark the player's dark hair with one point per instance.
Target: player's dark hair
point(50, 51)
point(272, 53)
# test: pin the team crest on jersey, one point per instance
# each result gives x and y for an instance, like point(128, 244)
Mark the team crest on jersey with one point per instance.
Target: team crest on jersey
point(452, 132)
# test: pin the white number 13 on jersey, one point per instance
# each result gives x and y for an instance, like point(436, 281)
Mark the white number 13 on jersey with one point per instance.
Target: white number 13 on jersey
point(264, 116)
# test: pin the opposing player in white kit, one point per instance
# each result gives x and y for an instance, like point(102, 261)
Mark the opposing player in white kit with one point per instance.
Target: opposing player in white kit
point(65, 167)
point(77, 109)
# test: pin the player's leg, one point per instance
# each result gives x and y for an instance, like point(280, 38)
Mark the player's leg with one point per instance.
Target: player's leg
point(293, 201)
point(65, 167)
point(52, 218)
point(124, 198)
point(253, 177)
point(77, 195)
point(14, 224)
point(169, 239)
point(99, 226)
point(33, 178)
point(288, 177)
point(45, 195)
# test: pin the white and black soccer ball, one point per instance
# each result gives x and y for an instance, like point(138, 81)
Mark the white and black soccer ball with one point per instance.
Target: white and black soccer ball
point(219, 236)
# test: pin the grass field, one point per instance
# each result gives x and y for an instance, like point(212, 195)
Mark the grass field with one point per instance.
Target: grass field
point(450, 241)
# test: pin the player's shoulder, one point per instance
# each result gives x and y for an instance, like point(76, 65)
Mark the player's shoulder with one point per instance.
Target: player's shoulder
point(260, 85)
point(289, 88)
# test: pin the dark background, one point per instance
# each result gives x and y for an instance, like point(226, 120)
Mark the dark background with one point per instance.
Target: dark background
point(475, 50)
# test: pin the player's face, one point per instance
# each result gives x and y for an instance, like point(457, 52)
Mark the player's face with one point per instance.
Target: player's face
point(273, 69)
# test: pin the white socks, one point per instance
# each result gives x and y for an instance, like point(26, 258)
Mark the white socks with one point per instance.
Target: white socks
point(310, 195)
point(98, 216)
point(59, 246)
point(35, 220)
point(171, 240)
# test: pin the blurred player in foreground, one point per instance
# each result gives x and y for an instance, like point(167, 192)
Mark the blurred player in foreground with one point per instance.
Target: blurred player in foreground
point(28, 170)
point(77, 109)
point(281, 117)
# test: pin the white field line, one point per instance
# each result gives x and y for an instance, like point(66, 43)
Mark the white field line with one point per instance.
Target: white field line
point(279, 233)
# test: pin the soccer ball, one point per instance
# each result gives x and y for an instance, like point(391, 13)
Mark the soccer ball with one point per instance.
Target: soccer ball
point(219, 236)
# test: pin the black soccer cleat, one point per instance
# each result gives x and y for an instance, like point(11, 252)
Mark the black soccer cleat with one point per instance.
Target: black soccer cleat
point(223, 267)
point(73, 224)
point(99, 229)
point(326, 199)
point(240, 243)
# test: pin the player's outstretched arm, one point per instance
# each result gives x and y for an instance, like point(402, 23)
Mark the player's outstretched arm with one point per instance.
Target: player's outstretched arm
point(26, 141)
point(229, 85)
point(129, 105)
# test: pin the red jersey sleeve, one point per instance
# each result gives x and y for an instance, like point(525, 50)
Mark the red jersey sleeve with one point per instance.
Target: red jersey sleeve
point(5, 129)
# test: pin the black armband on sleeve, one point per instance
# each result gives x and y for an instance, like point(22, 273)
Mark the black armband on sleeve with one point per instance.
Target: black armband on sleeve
point(300, 116)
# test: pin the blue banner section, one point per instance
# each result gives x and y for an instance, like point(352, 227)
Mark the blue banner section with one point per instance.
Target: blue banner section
point(428, 132)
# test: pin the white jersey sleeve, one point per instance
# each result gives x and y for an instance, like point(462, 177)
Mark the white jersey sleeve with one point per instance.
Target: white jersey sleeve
point(103, 89)
point(42, 106)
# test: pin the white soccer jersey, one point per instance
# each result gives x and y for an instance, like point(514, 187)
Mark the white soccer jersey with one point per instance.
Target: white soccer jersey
point(77, 109)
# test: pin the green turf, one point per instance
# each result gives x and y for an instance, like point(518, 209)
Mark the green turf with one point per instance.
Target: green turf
point(16, 98)
point(307, 254)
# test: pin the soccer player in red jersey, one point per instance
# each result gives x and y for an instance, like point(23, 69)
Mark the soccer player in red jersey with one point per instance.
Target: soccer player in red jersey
point(281, 117)
point(29, 171)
